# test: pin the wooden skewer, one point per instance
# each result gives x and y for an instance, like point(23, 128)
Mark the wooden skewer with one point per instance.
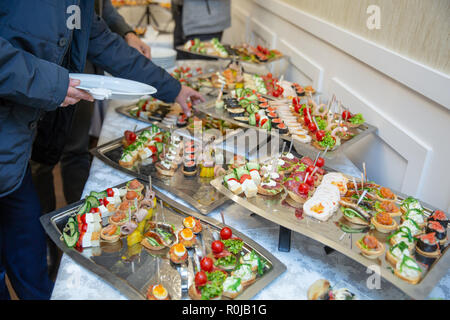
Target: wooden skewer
point(223, 217)
point(364, 168)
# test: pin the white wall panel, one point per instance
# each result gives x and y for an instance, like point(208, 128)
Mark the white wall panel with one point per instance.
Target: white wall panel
point(407, 101)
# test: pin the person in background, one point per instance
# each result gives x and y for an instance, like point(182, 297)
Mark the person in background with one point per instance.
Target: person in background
point(203, 19)
point(39, 47)
point(71, 146)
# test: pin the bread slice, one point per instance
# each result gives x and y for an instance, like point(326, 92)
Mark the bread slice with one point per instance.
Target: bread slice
point(383, 228)
point(408, 279)
point(165, 172)
point(193, 293)
point(265, 192)
point(146, 244)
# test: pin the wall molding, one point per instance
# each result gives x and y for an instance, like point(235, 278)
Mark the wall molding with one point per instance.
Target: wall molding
point(430, 83)
point(303, 63)
point(416, 152)
point(260, 29)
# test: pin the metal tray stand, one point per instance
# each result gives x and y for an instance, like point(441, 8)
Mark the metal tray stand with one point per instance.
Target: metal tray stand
point(133, 269)
point(330, 234)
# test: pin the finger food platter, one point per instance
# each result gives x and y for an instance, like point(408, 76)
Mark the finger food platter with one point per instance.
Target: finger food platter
point(159, 249)
point(187, 173)
point(281, 120)
point(244, 52)
point(402, 237)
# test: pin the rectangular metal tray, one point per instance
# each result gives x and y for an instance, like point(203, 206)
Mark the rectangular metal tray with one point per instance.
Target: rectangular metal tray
point(302, 148)
point(196, 191)
point(328, 233)
point(230, 57)
point(132, 269)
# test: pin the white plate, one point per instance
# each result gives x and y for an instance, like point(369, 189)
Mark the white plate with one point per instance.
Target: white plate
point(105, 87)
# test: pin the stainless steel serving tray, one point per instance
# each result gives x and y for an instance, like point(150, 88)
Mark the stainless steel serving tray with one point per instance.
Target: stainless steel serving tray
point(328, 233)
point(230, 57)
point(131, 270)
point(309, 150)
point(197, 191)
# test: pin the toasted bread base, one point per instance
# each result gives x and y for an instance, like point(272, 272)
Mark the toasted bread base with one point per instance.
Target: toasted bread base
point(356, 220)
point(410, 280)
point(391, 259)
point(297, 198)
point(371, 254)
point(192, 291)
point(147, 245)
point(265, 192)
point(190, 173)
point(231, 295)
point(382, 228)
point(165, 172)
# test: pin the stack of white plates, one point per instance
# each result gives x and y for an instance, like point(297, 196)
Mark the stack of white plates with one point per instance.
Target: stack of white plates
point(164, 57)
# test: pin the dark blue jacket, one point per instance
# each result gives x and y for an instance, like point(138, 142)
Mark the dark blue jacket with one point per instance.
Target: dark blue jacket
point(34, 39)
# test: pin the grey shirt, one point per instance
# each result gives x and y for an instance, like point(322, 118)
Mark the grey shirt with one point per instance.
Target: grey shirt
point(197, 19)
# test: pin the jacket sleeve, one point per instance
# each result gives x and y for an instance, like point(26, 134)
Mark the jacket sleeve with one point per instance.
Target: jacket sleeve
point(28, 80)
point(110, 52)
point(114, 20)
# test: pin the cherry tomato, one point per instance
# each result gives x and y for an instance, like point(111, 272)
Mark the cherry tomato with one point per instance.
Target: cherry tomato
point(346, 115)
point(105, 202)
point(306, 111)
point(269, 75)
point(307, 121)
point(320, 162)
point(320, 134)
point(310, 169)
point(110, 192)
point(312, 127)
point(206, 264)
point(225, 233)
point(310, 180)
point(217, 246)
point(303, 188)
point(200, 279)
point(130, 136)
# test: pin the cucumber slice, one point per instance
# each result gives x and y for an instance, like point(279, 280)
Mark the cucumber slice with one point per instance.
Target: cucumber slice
point(85, 207)
point(99, 195)
point(241, 171)
point(93, 201)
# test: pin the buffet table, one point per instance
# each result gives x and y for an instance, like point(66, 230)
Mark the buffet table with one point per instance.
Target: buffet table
point(306, 261)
